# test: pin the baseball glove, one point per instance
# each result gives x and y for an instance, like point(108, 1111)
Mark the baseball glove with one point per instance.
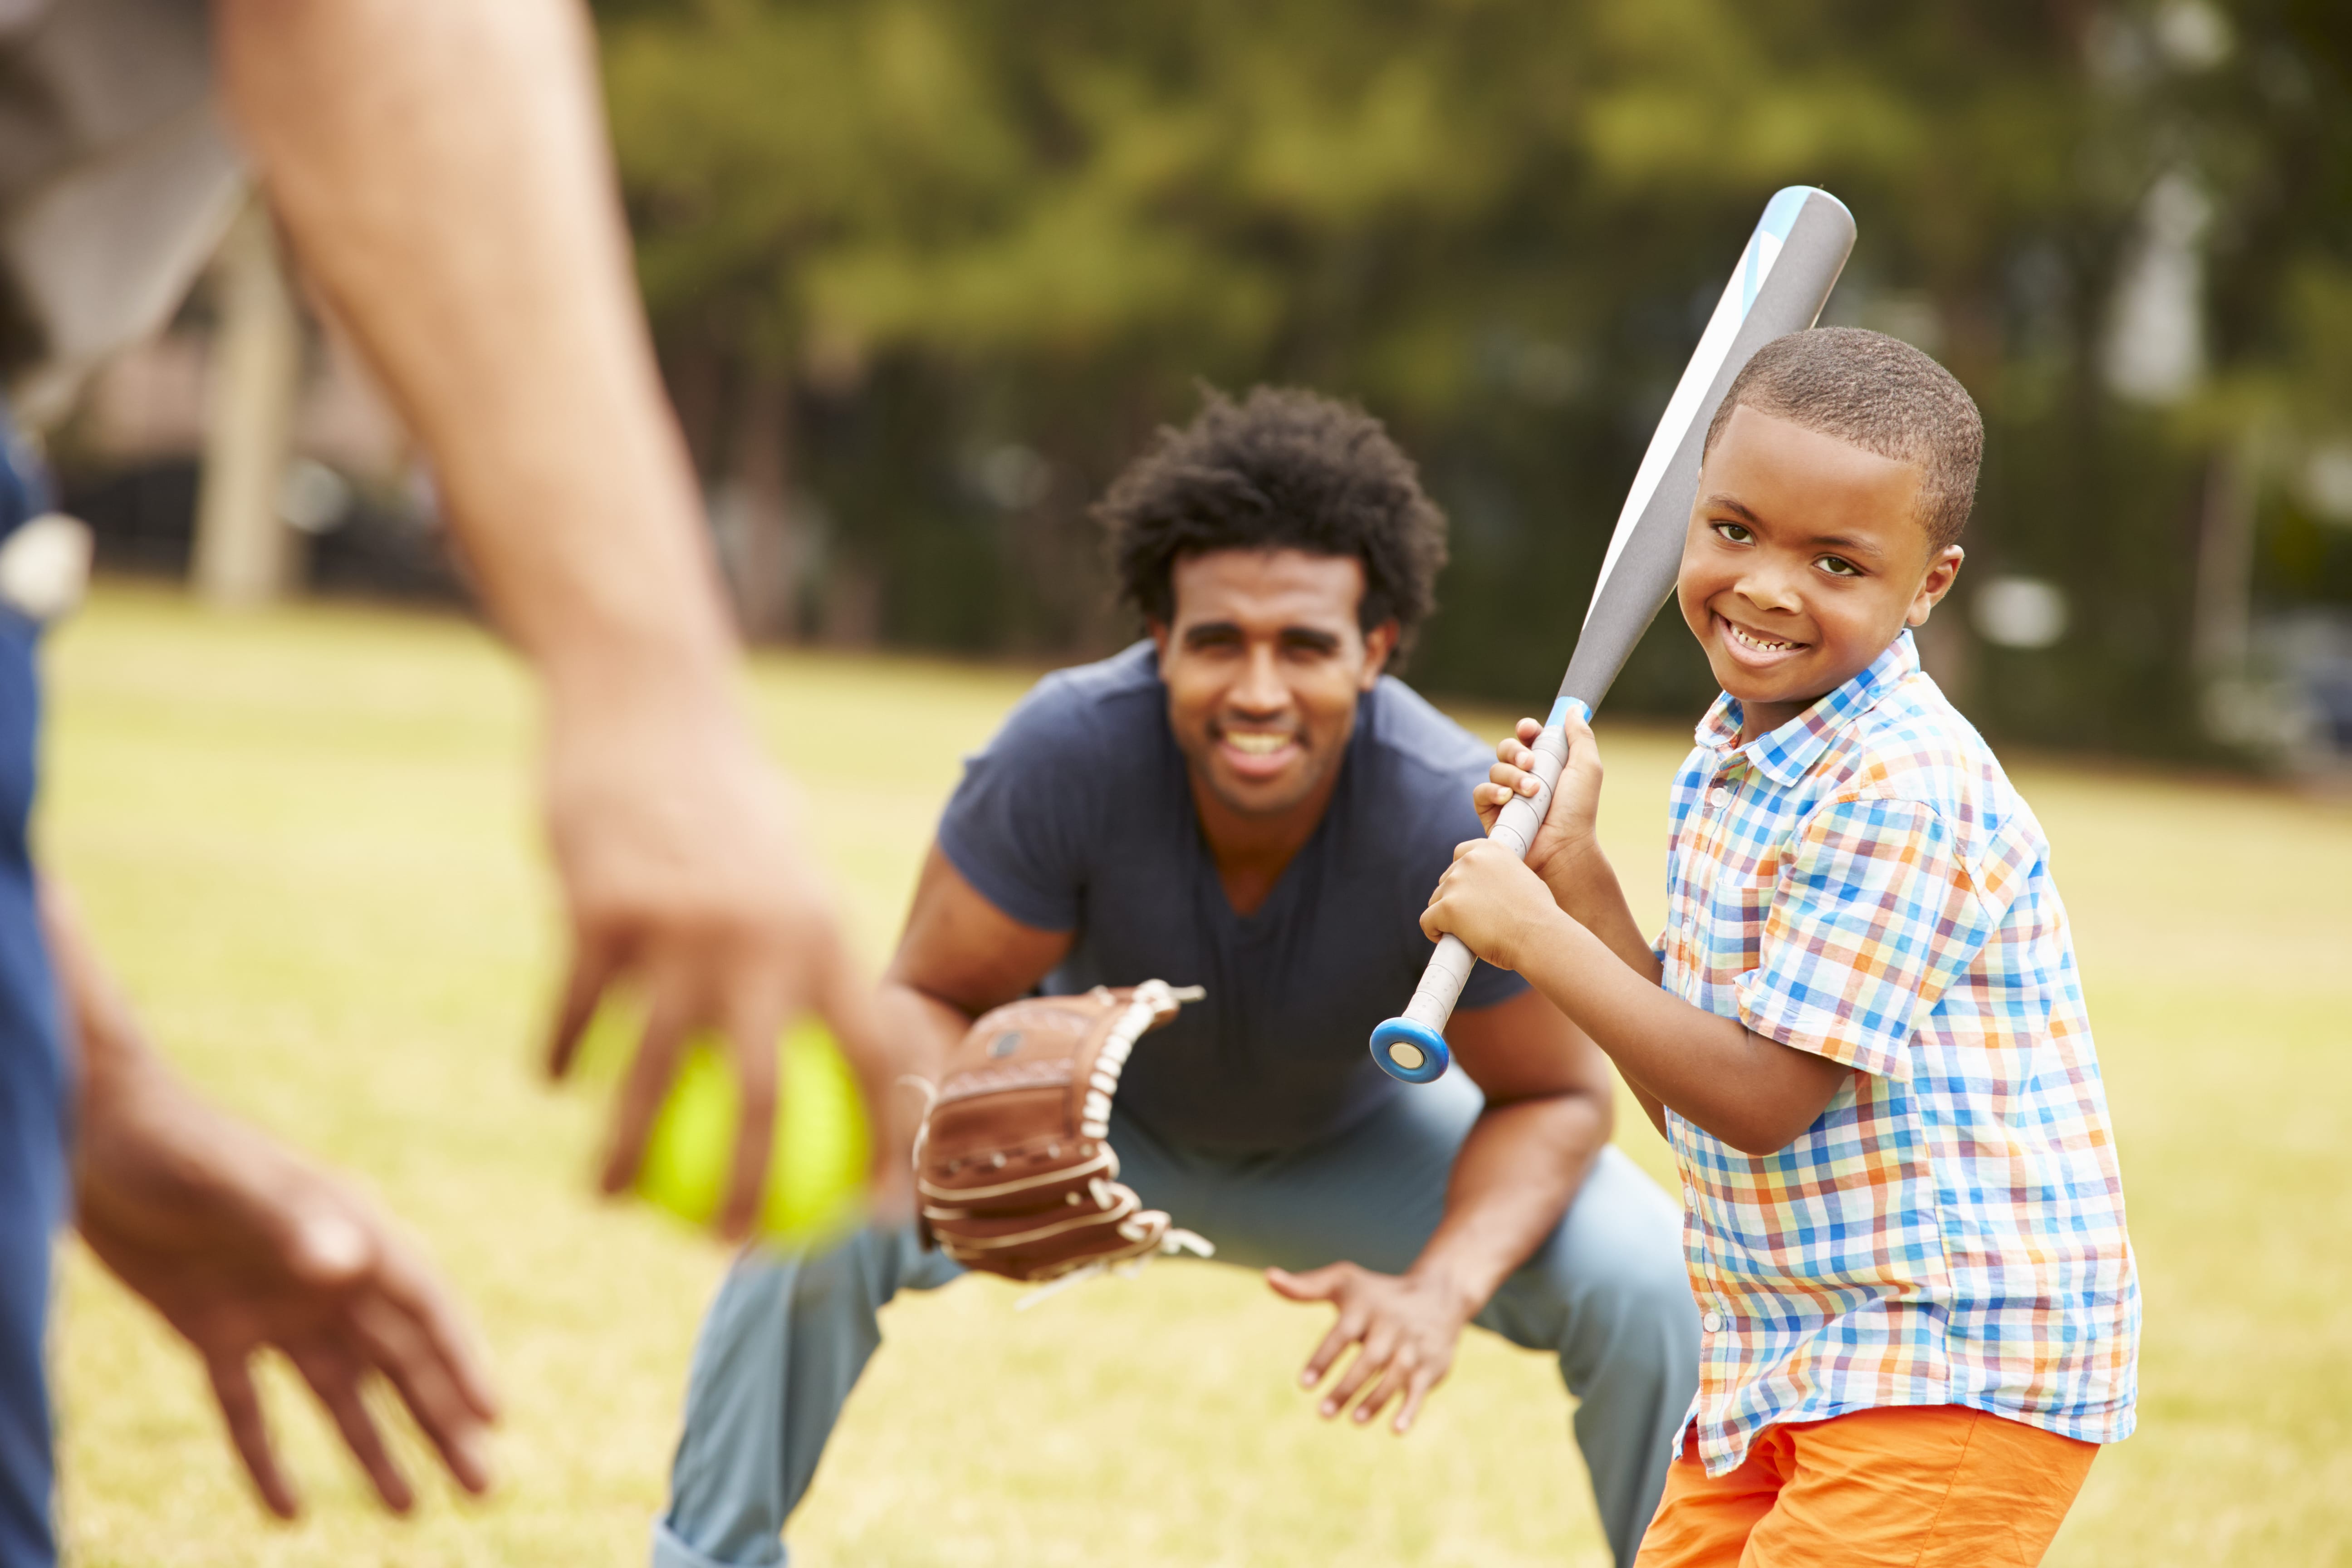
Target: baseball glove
point(1014, 1167)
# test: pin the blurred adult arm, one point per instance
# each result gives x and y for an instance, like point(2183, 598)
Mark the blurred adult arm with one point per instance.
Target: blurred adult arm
point(441, 169)
point(242, 1245)
point(1549, 1110)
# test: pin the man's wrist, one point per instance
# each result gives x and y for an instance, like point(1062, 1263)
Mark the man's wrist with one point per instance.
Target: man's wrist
point(1459, 1282)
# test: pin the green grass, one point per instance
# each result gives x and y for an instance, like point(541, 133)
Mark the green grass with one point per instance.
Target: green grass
point(307, 840)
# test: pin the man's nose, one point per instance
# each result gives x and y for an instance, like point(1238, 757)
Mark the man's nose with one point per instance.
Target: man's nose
point(1260, 691)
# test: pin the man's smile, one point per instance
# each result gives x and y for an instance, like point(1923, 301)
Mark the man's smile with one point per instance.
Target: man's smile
point(1258, 754)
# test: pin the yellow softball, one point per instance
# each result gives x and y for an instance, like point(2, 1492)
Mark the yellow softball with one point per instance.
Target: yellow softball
point(817, 1170)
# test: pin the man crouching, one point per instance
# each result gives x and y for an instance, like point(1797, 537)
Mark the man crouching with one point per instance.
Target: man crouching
point(1247, 802)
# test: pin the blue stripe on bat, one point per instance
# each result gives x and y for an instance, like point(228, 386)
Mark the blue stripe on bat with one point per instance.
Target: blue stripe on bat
point(1780, 212)
point(1559, 710)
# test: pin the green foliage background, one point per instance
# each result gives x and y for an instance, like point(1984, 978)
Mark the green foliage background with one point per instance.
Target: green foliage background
point(977, 250)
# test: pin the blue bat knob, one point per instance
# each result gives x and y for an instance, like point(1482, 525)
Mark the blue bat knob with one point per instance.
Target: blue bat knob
point(1410, 1051)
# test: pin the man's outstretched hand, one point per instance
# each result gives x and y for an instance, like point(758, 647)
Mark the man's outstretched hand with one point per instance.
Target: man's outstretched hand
point(1404, 1329)
point(243, 1246)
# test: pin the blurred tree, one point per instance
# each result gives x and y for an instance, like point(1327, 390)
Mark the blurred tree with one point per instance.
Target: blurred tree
point(961, 259)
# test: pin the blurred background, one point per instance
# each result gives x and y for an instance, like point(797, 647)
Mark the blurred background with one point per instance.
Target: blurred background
point(925, 274)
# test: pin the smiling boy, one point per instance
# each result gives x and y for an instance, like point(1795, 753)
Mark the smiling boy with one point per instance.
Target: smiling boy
point(1862, 1031)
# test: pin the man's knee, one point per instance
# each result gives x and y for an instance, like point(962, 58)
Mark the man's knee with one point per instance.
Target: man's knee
point(1610, 1280)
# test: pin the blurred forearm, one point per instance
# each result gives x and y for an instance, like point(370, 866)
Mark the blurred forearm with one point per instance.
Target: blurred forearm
point(442, 170)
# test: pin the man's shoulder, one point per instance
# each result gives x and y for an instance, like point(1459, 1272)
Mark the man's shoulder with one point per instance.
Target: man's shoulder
point(1404, 732)
point(1091, 706)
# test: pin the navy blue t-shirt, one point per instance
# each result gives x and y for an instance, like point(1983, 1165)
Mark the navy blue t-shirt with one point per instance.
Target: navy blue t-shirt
point(1079, 816)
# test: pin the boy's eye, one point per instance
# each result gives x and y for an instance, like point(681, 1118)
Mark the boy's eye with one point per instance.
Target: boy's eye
point(1838, 566)
point(1736, 532)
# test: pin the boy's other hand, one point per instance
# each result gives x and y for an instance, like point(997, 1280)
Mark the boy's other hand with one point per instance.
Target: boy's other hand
point(1567, 832)
point(1491, 901)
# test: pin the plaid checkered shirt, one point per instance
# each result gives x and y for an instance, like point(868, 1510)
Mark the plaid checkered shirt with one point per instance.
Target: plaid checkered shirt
point(1865, 883)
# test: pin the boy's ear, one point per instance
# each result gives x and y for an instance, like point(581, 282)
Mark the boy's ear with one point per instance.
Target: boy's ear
point(1157, 631)
point(1942, 571)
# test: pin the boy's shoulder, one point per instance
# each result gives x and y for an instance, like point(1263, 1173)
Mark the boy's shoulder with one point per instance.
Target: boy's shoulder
point(1913, 746)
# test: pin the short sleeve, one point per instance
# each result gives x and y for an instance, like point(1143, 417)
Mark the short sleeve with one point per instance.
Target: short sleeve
point(1020, 819)
point(1872, 918)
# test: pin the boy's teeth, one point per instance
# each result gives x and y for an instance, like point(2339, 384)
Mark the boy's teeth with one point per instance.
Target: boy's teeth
point(1759, 643)
point(1256, 745)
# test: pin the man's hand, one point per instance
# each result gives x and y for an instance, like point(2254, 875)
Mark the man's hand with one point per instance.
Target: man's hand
point(685, 877)
point(1404, 1327)
point(1491, 901)
point(243, 1246)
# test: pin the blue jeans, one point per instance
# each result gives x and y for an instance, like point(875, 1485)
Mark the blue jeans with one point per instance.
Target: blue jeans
point(34, 1080)
point(786, 1339)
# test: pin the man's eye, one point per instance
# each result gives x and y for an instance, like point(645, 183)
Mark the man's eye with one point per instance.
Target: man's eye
point(1736, 532)
point(1837, 566)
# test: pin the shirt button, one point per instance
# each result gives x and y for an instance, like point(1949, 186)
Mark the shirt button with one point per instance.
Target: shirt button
point(1690, 1196)
point(1712, 1323)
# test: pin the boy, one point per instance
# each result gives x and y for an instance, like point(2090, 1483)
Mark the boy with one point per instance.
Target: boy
point(1862, 1031)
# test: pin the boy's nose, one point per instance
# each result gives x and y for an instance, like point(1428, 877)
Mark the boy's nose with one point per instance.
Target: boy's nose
point(1769, 590)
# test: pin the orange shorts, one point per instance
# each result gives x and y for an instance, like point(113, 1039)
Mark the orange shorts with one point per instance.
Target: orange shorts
point(1935, 1486)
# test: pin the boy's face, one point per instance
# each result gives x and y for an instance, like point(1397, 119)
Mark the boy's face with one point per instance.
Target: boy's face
point(1263, 661)
point(1805, 558)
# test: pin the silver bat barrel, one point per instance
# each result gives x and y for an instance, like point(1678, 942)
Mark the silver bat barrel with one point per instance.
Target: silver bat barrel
point(1783, 278)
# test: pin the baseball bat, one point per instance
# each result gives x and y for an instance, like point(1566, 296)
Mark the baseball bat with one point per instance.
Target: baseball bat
point(1783, 278)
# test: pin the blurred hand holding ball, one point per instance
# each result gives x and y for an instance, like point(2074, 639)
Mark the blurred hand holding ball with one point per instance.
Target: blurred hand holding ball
point(817, 1173)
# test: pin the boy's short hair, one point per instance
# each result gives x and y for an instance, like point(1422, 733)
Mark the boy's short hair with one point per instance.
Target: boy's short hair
point(1881, 394)
point(1281, 470)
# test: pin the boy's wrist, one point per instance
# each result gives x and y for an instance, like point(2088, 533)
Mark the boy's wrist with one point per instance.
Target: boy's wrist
point(1573, 870)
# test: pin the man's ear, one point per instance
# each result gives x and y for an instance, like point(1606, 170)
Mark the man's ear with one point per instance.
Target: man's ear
point(1159, 634)
point(1378, 644)
point(1942, 571)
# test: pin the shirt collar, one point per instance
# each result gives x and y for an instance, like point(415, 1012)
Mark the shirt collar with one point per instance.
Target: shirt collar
point(1783, 754)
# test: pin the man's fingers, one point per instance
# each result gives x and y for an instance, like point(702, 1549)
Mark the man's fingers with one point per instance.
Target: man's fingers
point(1345, 1333)
point(648, 1082)
point(595, 964)
point(406, 1354)
point(1423, 1380)
point(1392, 1383)
point(755, 1126)
point(335, 1377)
point(240, 1405)
point(1315, 1285)
point(1378, 1349)
point(411, 1288)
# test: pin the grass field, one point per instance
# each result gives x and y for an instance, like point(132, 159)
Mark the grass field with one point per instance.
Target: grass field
point(307, 840)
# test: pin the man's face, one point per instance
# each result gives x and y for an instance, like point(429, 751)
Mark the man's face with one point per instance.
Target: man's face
point(1805, 558)
point(1263, 661)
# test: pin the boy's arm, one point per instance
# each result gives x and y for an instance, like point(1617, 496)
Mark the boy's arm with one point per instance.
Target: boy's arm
point(1753, 1094)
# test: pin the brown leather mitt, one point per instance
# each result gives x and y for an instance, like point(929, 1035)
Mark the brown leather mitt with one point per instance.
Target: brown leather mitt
point(1014, 1167)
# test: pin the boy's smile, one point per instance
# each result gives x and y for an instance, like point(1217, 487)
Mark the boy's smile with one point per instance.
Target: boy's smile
point(1806, 557)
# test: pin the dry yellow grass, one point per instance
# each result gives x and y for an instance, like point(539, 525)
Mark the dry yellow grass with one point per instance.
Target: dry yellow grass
point(307, 840)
